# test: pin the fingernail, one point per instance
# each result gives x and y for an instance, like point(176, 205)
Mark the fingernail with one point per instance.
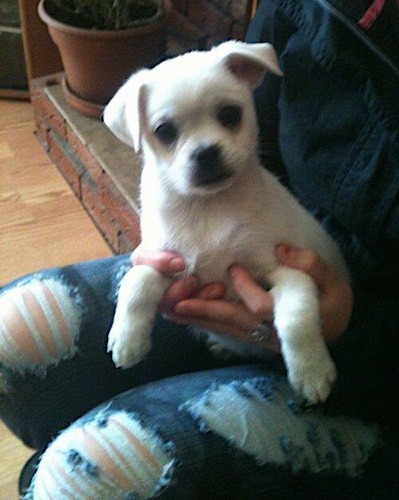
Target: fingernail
point(217, 289)
point(192, 282)
point(177, 264)
point(212, 291)
point(283, 251)
point(178, 309)
point(234, 270)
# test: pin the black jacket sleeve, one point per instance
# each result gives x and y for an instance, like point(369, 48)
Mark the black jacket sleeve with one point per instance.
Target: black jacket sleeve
point(329, 128)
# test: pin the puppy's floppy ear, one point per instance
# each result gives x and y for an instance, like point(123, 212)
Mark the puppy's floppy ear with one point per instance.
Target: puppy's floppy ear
point(249, 61)
point(124, 115)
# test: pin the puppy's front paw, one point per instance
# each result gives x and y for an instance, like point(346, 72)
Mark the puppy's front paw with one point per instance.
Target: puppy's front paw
point(128, 347)
point(314, 384)
point(311, 371)
point(313, 378)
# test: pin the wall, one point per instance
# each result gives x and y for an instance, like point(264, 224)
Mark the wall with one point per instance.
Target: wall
point(203, 23)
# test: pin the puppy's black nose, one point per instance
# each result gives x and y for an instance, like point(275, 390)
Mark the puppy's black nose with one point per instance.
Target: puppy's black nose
point(207, 156)
point(208, 165)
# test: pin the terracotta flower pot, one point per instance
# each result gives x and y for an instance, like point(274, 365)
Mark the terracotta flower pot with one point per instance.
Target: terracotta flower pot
point(97, 62)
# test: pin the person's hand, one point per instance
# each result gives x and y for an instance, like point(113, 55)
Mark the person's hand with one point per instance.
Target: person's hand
point(165, 262)
point(171, 264)
point(336, 294)
point(252, 312)
point(187, 303)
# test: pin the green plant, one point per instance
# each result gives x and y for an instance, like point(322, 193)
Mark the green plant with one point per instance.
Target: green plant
point(102, 14)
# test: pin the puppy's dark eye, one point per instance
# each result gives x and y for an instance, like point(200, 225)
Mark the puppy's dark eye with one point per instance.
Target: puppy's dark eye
point(166, 132)
point(230, 116)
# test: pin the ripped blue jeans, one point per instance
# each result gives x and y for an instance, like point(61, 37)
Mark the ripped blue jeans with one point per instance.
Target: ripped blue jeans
point(182, 424)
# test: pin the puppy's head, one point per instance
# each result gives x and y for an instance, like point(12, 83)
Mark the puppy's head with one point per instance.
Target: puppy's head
point(193, 116)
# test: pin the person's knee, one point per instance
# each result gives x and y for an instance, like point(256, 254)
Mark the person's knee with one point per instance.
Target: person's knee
point(265, 419)
point(112, 456)
point(39, 325)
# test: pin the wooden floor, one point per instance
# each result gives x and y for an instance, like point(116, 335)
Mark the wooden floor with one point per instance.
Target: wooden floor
point(41, 225)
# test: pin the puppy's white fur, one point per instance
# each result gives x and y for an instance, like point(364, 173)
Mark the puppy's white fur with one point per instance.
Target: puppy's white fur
point(237, 219)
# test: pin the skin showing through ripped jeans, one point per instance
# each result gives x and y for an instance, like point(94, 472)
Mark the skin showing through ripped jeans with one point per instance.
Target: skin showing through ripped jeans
point(39, 325)
point(112, 456)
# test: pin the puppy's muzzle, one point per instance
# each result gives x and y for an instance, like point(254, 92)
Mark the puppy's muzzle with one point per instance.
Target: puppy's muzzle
point(208, 166)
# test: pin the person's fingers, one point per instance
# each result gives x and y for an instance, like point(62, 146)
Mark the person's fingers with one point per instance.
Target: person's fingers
point(212, 291)
point(336, 294)
point(219, 311)
point(257, 300)
point(308, 261)
point(164, 262)
point(209, 325)
point(179, 290)
point(242, 334)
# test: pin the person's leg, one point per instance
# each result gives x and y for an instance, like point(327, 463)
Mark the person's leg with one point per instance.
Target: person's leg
point(236, 432)
point(53, 342)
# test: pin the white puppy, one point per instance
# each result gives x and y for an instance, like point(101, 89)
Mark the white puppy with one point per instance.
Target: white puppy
point(205, 195)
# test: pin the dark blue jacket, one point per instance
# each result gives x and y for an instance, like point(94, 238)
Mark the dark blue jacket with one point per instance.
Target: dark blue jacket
point(330, 127)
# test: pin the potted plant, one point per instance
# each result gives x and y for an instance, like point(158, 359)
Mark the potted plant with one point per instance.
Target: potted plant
point(101, 42)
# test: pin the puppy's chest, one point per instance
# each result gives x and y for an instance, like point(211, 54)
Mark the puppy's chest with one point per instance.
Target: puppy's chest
point(210, 250)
